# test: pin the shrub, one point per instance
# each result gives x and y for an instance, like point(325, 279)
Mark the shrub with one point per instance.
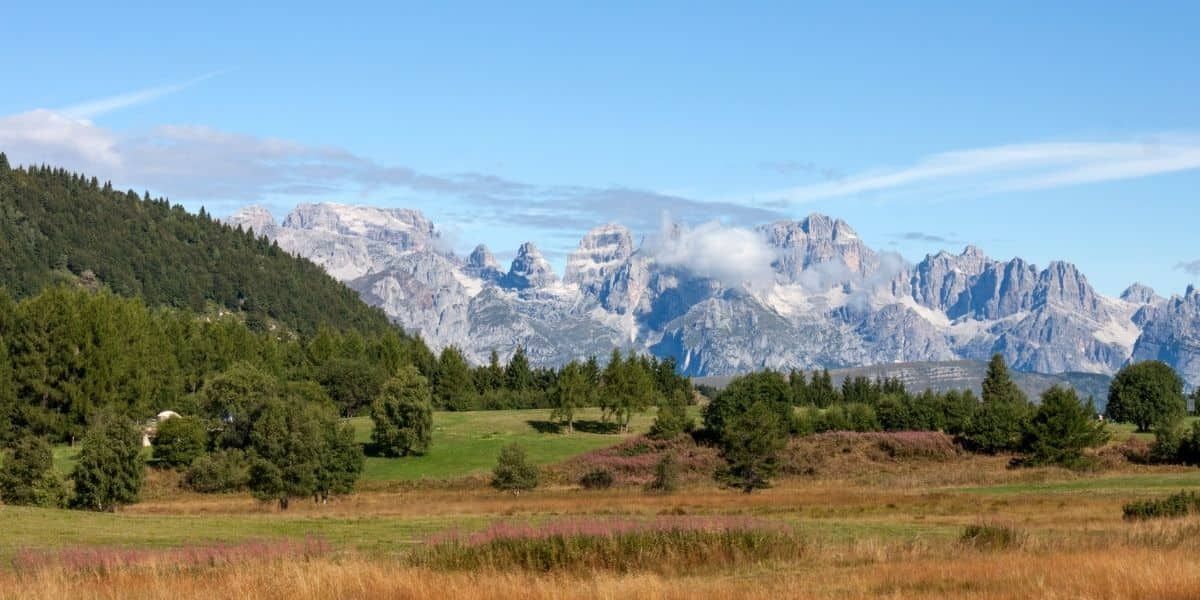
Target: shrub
point(665, 544)
point(179, 441)
point(513, 471)
point(110, 471)
point(221, 471)
point(28, 477)
point(1175, 505)
point(597, 479)
point(991, 536)
point(672, 419)
point(666, 475)
point(633, 461)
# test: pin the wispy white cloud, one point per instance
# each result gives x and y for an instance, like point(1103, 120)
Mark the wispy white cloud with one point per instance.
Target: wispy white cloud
point(1191, 267)
point(225, 170)
point(94, 108)
point(1017, 167)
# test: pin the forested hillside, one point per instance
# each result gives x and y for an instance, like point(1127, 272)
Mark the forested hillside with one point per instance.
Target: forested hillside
point(57, 226)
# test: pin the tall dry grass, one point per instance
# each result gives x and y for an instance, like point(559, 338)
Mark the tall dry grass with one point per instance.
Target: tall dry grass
point(1116, 573)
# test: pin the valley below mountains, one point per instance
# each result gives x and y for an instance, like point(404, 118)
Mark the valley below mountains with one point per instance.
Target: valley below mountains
point(821, 297)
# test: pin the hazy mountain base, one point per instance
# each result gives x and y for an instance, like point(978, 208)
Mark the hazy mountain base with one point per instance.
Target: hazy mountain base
point(960, 374)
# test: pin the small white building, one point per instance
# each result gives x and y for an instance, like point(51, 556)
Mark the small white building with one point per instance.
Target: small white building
point(151, 427)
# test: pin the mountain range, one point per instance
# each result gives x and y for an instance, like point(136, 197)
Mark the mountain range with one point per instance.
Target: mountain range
point(789, 294)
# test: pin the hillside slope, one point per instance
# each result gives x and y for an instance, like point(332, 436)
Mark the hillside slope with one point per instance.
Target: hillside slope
point(57, 226)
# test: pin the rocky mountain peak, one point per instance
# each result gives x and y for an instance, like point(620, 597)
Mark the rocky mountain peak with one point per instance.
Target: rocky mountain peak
point(973, 251)
point(404, 228)
point(601, 251)
point(1062, 283)
point(482, 264)
point(818, 239)
point(529, 269)
point(254, 217)
point(1139, 293)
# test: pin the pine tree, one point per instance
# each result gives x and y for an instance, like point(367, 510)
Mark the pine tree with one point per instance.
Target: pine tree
point(1061, 429)
point(452, 386)
point(403, 415)
point(998, 386)
point(110, 469)
point(799, 384)
point(821, 390)
point(1001, 418)
point(751, 446)
point(517, 375)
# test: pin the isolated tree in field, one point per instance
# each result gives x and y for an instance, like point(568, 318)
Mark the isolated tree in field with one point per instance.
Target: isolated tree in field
point(452, 386)
point(403, 415)
point(179, 441)
point(110, 469)
point(573, 392)
point(1062, 428)
point(751, 445)
point(1000, 421)
point(672, 419)
point(1146, 394)
point(627, 389)
point(27, 476)
point(286, 445)
point(513, 472)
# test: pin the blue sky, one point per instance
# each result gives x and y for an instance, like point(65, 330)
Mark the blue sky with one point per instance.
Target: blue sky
point(1069, 131)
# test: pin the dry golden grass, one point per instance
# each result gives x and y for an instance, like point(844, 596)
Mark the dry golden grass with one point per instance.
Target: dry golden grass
point(1118, 572)
point(889, 531)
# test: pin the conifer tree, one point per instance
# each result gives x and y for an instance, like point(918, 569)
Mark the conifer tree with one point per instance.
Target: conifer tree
point(517, 374)
point(1062, 428)
point(453, 388)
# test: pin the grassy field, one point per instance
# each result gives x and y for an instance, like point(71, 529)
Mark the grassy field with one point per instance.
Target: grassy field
point(467, 443)
point(890, 529)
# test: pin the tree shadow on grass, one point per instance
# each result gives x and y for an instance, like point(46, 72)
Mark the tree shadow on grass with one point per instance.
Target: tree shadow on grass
point(585, 426)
